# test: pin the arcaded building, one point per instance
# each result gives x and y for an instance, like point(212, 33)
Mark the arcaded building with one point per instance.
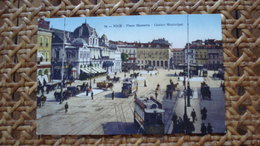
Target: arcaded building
point(156, 53)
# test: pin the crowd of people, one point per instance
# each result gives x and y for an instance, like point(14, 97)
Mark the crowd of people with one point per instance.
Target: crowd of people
point(187, 125)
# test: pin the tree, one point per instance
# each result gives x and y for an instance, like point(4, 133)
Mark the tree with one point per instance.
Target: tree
point(124, 57)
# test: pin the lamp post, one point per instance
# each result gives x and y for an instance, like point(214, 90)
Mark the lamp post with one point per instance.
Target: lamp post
point(185, 116)
point(188, 84)
point(188, 94)
point(62, 61)
point(90, 65)
point(187, 90)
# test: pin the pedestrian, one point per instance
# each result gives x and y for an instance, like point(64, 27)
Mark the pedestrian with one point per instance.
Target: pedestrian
point(94, 81)
point(145, 83)
point(42, 90)
point(113, 95)
point(156, 94)
point(209, 92)
point(66, 107)
point(87, 92)
point(167, 94)
point(203, 129)
point(204, 113)
point(193, 115)
point(92, 95)
point(209, 128)
point(170, 93)
point(174, 119)
point(125, 75)
point(39, 101)
point(135, 95)
point(190, 127)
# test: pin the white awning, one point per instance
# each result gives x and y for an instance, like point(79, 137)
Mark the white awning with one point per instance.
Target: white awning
point(95, 69)
point(102, 70)
point(84, 70)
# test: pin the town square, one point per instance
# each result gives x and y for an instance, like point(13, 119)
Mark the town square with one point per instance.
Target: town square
point(92, 83)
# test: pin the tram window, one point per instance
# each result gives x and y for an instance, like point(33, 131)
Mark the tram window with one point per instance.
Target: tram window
point(153, 118)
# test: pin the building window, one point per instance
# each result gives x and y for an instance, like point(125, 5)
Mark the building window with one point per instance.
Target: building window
point(166, 63)
point(161, 63)
point(46, 72)
point(47, 42)
point(40, 72)
point(41, 41)
point(158, 63)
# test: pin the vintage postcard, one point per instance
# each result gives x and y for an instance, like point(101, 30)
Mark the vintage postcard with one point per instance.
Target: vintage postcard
point(155, 74)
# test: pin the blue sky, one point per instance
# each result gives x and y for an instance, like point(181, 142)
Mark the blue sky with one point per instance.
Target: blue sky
point(201, 26)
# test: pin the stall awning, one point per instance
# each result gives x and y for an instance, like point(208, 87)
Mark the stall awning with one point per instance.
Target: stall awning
point(84, 70)
point(94, 69)
point(102, 70)
point(99, 69)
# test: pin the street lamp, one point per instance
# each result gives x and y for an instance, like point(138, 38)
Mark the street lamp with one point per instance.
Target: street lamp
point(90, 65)
point(188, 94)
point(62, 62)
point(185, 116)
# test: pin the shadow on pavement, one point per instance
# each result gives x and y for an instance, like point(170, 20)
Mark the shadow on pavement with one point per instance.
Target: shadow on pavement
point(117, 95)
point(112, 128)
point(171, 75)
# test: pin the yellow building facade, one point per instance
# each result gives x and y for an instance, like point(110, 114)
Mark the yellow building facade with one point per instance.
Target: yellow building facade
point(157, 56)
point(44, 45)
point(201, 55)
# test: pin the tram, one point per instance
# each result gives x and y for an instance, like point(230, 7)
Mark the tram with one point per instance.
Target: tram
point(148, 115)
point(129, 87)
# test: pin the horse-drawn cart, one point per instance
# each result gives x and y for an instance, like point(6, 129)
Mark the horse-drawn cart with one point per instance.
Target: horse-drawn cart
point(104, 84)
point(205, 91)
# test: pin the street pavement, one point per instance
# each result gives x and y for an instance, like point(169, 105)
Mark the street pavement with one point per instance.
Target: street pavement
point(216, 110)
point(215, 106)
point(168, 106)
point(102, 115)
point(194, 104)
